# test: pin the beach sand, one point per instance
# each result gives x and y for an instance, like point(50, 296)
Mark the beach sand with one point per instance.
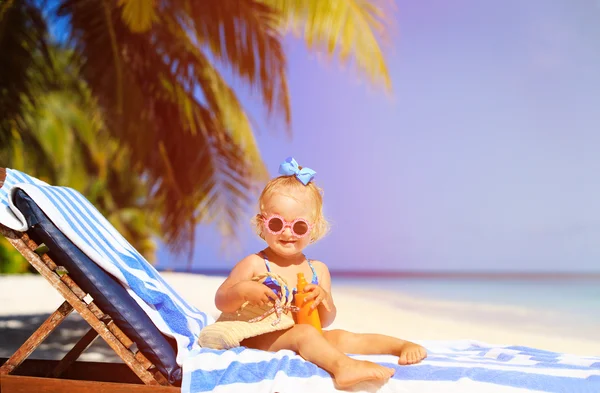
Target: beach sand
point(27, 300)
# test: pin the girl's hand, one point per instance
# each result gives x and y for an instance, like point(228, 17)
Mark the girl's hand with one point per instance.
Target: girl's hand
point(319, 295)
point(255, 292)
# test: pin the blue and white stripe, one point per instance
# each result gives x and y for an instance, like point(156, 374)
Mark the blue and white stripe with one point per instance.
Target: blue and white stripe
point(454, 366)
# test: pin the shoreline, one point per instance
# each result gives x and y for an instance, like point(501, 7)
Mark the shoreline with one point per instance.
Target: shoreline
point(26, 300)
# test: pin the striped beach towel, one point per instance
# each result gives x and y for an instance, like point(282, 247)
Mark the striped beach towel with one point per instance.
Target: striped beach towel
point(456, 366)
point(451, 366)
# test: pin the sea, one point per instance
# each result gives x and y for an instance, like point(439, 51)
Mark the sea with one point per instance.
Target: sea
point(555, 306)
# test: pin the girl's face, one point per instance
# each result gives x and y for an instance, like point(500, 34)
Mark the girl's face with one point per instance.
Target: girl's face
point(290, 207)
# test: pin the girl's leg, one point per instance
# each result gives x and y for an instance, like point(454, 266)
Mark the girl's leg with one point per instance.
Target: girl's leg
point(312, 346)
point(372, 344)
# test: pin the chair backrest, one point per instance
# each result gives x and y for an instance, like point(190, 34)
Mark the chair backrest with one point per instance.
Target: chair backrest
point(108, 294)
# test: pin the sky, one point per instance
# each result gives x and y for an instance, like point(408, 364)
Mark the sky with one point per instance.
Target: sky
point(484, 158)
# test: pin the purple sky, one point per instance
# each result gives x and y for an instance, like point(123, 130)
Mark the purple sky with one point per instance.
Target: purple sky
point(486, 156)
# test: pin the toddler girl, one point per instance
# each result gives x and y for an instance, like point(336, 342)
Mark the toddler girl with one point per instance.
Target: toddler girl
point(290, 219)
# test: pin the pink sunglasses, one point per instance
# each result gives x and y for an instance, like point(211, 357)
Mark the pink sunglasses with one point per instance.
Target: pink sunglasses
point(276, 224)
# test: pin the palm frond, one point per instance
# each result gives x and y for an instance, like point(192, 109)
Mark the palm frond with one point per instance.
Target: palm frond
point(196, 70)
point(188, 150)
point(352, 28)
point(244, 36)
point(73, 148)
point(139, 15)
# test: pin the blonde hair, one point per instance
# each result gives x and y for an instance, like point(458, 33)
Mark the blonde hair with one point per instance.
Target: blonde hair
point(290, 183)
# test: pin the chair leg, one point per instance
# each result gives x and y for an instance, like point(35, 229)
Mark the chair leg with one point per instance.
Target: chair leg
point(83, 344)
point(36, 338)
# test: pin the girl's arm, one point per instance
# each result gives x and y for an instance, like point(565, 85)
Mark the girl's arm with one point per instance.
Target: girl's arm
point(239, 287)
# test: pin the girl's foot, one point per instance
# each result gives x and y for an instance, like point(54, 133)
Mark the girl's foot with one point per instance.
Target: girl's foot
point(411, 353)
point(353, 371)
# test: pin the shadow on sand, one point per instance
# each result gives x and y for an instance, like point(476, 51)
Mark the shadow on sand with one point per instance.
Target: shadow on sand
point(15, 329)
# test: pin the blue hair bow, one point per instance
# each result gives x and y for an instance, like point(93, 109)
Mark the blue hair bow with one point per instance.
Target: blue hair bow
point(290, 167)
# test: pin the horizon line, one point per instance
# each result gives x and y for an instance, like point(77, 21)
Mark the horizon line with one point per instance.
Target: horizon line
point(422, 274)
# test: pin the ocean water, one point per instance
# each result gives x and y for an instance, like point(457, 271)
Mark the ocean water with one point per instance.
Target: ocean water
point(559, 306)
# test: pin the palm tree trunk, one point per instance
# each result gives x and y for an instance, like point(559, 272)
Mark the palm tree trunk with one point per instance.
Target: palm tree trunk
point(115, 50)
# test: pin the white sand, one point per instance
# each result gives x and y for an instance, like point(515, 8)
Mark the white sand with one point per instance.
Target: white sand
point(25, 301)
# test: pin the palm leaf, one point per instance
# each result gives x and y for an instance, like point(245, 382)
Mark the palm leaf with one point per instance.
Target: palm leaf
point(139, 15)
point(73, 148)
point(348, 27)
point(219, 96)
point(243, 36)
point(186, 152)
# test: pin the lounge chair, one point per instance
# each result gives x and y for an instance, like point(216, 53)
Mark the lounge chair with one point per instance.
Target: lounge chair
point(112, 314)
point(153, 330)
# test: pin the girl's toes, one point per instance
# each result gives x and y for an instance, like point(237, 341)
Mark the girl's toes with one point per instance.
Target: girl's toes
point(413, 358)
point(403, 360)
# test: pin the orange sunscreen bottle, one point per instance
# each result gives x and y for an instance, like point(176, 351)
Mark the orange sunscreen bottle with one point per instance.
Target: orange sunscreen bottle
point(305, 314)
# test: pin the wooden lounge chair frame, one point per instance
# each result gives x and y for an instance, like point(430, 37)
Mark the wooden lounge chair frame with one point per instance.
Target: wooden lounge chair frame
point(17, 374)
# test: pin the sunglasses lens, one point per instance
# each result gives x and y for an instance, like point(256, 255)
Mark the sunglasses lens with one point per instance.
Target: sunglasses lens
point(300, 228)
point(275, 224)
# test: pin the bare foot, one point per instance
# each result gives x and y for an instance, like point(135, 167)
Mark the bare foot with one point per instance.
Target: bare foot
point(411, 353)
point(353, 371)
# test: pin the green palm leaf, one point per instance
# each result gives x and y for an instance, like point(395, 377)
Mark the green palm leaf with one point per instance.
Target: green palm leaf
point(243, 36)
point(218, 95)
point(197, 148)
point(139, 15)
point(352, 28)
point(75, 149)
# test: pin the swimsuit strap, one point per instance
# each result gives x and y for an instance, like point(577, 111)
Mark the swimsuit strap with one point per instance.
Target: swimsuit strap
point(264, 256)
point(315, 278)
